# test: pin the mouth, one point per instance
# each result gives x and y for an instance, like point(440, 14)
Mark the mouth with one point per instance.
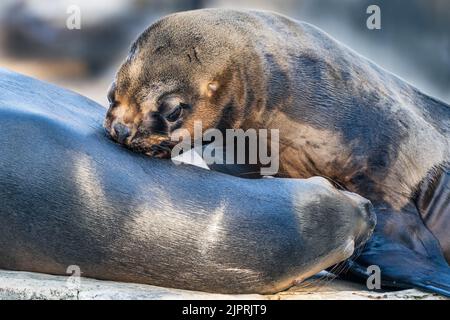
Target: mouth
point(155, 146)
point(162, 151)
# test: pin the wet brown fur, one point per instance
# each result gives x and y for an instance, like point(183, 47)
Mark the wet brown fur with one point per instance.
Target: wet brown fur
point(339, 115)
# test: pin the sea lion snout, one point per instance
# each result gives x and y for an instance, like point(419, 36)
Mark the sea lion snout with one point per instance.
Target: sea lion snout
point(366, 218)
point(140, 133)
point(361, 214)
point(369, 221)
point(141, 120)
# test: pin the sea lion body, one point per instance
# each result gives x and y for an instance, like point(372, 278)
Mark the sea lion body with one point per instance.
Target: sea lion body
point(69, 196)
point(339, 116)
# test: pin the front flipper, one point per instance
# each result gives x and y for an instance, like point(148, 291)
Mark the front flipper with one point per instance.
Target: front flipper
point(433, 202)
point(406, 252)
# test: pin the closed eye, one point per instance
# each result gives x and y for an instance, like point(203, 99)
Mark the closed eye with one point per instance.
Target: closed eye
point(175, 114)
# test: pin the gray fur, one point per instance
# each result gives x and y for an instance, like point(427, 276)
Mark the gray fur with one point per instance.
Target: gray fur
point(70, 196)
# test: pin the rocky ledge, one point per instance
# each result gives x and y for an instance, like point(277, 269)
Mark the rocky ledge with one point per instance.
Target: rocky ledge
point(26, 285)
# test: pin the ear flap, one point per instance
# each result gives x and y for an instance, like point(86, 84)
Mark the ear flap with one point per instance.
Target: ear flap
point(212, 88)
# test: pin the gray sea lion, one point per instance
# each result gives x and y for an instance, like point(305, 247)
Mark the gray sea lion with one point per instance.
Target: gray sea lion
point(340, 116)
point(69, 196)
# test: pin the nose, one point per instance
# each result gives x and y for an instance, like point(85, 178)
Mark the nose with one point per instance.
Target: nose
point(122, 132)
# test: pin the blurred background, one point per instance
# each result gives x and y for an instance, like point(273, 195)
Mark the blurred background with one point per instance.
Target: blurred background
point(414, 41)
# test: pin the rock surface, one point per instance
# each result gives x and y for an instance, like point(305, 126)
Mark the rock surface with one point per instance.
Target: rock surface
point(26, 285)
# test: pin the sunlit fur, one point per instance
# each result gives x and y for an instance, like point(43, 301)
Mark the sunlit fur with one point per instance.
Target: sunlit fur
point(340, 116)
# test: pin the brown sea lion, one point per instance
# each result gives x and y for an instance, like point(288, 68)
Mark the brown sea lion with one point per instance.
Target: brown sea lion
point(339, 116)
point(69, 196)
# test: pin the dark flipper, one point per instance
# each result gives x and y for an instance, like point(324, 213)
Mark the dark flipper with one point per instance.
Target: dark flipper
point(433, 202)
point(407, 253)
point(402, 268)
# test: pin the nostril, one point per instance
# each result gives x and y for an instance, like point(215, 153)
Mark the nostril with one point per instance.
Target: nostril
point(122, 132)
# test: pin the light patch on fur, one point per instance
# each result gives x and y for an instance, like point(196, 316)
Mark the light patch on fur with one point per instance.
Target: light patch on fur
point(207, 88)
point(89, 187)
point(145, 224)
point(320, 181)
point(214, 231)
point(135, 68)
point(212, 88)
point(119, 112)
point(123, 112)
point(415, 156)
point(151, 95)
point(299, 143)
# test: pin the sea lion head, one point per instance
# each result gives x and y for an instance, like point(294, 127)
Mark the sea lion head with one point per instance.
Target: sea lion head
point(183, 67)
point(360, 218)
